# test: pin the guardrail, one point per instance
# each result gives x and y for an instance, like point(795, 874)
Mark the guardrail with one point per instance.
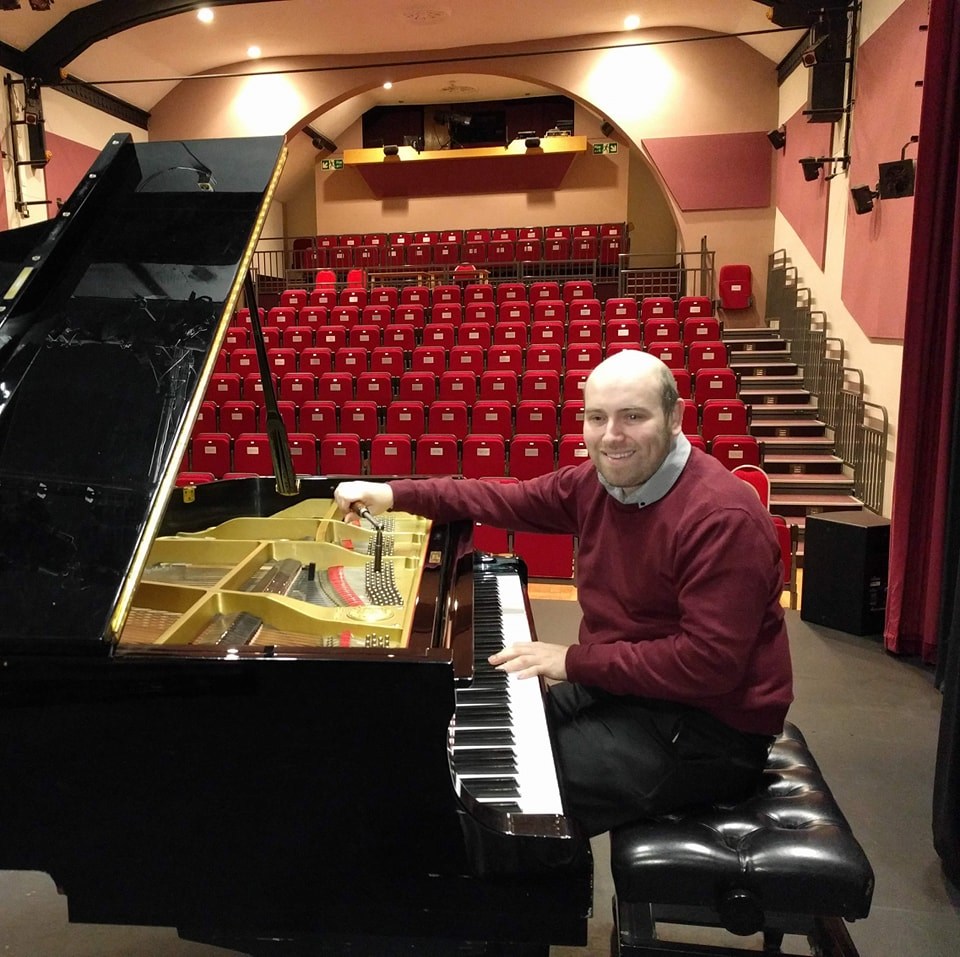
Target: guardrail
point(860, 428)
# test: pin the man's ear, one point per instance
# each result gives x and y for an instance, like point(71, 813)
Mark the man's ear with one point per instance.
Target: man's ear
point(676, 418)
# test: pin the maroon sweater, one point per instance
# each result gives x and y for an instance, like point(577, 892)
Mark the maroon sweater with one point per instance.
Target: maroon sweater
point(680, 599)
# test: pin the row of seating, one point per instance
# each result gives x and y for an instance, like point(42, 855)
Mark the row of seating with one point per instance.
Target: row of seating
point(475, 455)
point(474, 235)
point(568, 293)
point(342, 329)
point(425, 385)
point(367, 417)
point(389, 372)
point(605, 252)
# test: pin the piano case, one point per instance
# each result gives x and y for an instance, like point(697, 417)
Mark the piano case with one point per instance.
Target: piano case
point(254, 799)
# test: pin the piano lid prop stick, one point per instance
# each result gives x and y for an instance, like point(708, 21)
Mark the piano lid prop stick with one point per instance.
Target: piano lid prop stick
point(287, 482)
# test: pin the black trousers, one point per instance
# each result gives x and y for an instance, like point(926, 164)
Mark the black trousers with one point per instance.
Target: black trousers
point(623, 758)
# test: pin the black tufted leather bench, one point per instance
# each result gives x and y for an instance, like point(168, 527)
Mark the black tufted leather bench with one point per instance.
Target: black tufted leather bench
point(784, 861)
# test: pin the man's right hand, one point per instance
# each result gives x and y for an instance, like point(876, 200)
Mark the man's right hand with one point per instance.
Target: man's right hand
point(376, 496)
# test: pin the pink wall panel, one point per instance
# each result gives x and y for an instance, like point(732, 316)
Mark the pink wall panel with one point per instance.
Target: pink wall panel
point(69, 161)
point(721, 171)
point(886, 114)
point(804, 203)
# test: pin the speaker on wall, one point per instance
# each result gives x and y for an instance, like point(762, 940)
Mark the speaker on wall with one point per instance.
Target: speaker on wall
point(829, 37)
point(826, 88)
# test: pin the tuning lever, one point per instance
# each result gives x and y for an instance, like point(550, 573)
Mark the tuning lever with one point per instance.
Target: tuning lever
point(365, 512)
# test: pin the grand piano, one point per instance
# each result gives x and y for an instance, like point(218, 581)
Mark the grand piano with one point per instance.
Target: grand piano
point(221, 709)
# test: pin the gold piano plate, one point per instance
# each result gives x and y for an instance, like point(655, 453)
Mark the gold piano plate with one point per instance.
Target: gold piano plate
point(299, 579)
point(368, 613)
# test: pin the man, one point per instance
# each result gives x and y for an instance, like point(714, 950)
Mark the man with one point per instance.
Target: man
point(682, 674)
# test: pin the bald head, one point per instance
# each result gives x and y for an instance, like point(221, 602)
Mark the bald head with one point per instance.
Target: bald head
point(632, 367)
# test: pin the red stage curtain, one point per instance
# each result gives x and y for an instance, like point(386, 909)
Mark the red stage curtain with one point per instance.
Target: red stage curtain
point(922, 488)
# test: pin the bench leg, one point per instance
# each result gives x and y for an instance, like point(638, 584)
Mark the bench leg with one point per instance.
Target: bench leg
point(830, 938)
point(635, 935)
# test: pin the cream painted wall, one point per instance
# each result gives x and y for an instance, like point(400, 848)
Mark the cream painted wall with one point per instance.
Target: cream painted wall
point(648, 210)
point(710, 86)
point(879, 360)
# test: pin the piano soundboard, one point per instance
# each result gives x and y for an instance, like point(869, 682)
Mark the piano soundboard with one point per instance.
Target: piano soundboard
point(300, 578)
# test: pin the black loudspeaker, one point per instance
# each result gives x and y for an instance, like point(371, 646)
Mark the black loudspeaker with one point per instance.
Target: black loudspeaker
point(845, 556)
point(826, 92)
point(828, 73)
point(606, 129)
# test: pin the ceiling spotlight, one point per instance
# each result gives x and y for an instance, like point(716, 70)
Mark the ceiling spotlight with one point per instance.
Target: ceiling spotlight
point(863, 198)
point(778, 138)
point(40, 4)
point(631, 22)
point(811, 168)
point(388, 85)
point(253, 52)
point(205, 15)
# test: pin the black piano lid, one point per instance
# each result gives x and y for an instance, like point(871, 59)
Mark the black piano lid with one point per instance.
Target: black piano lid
point(109, 328)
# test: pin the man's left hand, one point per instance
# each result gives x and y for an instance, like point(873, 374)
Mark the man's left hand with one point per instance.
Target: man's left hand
point(528, 658)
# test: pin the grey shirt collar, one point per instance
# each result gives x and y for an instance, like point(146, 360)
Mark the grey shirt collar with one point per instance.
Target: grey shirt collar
point(660, 482)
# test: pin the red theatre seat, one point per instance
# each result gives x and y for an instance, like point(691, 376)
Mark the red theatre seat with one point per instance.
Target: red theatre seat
point(437, 455)
point(340, 454)
point(483, 456)
point(735, 286)
point(391, 455)
point(530, 456)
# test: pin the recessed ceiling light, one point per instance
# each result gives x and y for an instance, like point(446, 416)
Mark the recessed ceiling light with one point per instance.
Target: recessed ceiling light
point(631, 22)
point(205, 15)
point(253, 52)
point(388, 85)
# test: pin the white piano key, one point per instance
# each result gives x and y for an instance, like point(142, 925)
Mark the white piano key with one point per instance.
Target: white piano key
point(539, 791)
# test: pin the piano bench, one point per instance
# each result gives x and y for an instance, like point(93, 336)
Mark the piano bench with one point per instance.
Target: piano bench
point(784, 861)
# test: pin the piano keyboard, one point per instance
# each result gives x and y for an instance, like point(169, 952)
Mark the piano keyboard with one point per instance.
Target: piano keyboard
point(501, 751)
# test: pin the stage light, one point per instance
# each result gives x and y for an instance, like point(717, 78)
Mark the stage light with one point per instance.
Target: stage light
point(863, 198)
point(812, 164)
point(320, 142)
point(531, 142)
point(391, 150)
point(810, 57)
point(778, 138)
point(811, 168)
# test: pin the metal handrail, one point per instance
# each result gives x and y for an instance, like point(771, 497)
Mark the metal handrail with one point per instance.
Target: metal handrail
point(860, 428)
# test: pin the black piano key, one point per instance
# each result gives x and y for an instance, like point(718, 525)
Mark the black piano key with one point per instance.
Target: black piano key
point(482, 737)
point(497, 788)
point(483, 761)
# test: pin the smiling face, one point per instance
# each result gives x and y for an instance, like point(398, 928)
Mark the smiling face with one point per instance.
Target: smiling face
point(627, 427)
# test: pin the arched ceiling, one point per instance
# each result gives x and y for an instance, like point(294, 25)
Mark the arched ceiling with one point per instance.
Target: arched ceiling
point(151, 44)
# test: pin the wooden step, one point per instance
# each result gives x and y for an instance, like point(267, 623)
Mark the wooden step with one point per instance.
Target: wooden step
point(784, 379)
point(764, 427)
point(776, 396)
point(802, 444)
point(800, 504)
point(825, 482)
point(801, 463)
point(761, 411)
point(746, 335)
